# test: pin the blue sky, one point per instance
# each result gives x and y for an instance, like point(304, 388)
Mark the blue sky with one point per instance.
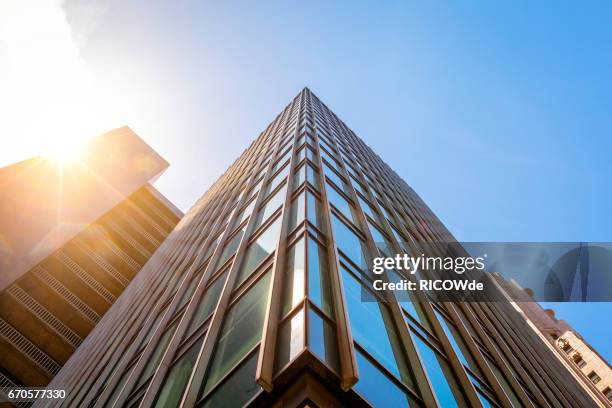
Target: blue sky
point(498, 115)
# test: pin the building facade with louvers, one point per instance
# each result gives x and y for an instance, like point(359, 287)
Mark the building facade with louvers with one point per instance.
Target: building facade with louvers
point(255, 298)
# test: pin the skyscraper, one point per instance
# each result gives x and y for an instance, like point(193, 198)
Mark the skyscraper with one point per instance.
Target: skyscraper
point(72, 237)
point(256, 298)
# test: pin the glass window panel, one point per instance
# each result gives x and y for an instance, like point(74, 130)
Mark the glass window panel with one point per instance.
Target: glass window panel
point(330, 160)
point(186, 296)
point(458, 344)
point(379, 390)
point(358, 186)
point(351, 245)
point(330, 174)
point(230, 248)
point(241, 331)
point(366, 208)
point(175, 382)
point(238, 389)
point(294, 286)
point(381, 242)
point(373, 328)
point(319, 291)
point(315, 213)
point(157, 355)
point(439, 373)
point(282, 160)
point(282, 175)
point(207, 304)
point(340, 203)
point(259, 250)
point(271, 206)
point(291, 339)
point(297, 212)
point(322, 339)
point(247, 211)
point(313, 178)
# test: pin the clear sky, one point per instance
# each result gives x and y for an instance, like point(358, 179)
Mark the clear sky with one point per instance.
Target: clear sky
point(498, 115)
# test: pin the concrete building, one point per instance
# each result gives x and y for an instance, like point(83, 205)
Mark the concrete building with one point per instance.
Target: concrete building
point(589, 367)
point(72, 236)
point(255, 298)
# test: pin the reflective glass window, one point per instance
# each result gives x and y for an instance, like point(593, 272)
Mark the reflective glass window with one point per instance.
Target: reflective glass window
point(241, 331)
point(257, 251)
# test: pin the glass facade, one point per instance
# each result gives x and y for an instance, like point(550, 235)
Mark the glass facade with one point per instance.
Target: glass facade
point(263, 288)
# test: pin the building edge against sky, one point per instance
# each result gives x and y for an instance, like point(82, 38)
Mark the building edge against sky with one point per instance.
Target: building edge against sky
point(74, 234)
point(255, 297)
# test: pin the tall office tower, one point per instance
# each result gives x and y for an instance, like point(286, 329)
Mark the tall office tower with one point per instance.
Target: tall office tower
point(256, 298)
point(73, 234)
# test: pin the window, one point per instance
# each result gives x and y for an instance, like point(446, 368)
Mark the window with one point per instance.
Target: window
point(157, 355)
point(381, 242)
point(566, 347)
point(271, 206)
point(366, 208)
point(319, 291)
point(578, 360)
point(315, 212)
point(282, 175)
point(349, 243)
point(594, 377)
point(238, 389)
point(291, 339)
point(373, 329)
point(176, 380)
point(341, 204)
point(297, 212)
point(230, 248)
point(335, 178)
point(305, 152)
point(207, 304)
point(608, 393)
point(439, 373)
point(247, 211)
point(306, 173)
point(379, 390)
point(322, 339)
point(294, 278)
point(259, 250)
point(241, 331)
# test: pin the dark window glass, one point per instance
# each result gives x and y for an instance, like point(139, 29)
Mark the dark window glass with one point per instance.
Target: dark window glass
point(176, 380)
point(231, 247)
point(238, 389)
point(157, 355)
point(259, 250)
point(207, 304)
point(241, 331)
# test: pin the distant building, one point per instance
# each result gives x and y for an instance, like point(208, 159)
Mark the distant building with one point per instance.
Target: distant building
point(72, 237)
point(588, 365)
point(256, 297)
